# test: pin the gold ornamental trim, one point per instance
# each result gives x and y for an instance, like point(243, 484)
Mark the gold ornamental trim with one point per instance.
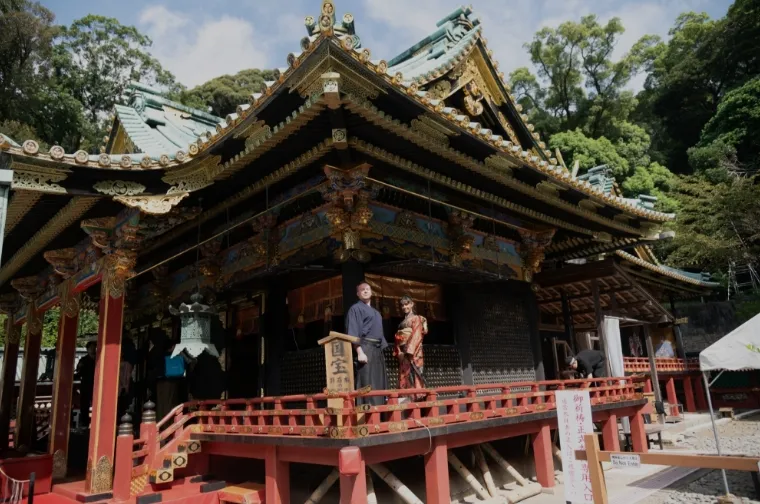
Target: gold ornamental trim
point(154, 205)
point(35, 178)
point(67, 216)
point(372, 114)
point(102, 476)
point(118, 187)
point(411, 167)
point(476, 129)
point(302, 161)
point(279, 133)
point(59, 464)
point(193, 178)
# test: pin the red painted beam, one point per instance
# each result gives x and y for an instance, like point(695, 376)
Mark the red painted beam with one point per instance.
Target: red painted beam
point(62, 383)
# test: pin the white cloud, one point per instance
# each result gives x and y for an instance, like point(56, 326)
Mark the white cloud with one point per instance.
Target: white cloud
point(203, 49)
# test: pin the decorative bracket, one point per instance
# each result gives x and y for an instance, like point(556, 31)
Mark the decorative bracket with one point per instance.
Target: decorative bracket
point(532, 249)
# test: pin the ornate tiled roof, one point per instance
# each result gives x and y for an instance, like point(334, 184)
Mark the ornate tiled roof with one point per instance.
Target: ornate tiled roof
point(601, 178)
point(460, 30)
point(699, 279)
point(155, 124)
point(429, 58)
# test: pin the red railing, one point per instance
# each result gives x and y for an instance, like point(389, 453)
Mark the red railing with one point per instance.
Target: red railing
point(664, 365)
point(310, 416)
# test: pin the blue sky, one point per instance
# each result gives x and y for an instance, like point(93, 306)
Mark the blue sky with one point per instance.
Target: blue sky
point(200, 39)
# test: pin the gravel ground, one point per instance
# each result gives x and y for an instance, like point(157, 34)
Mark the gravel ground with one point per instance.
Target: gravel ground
point(741, 436)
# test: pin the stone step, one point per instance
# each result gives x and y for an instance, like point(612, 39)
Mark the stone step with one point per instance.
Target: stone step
point(245, 493)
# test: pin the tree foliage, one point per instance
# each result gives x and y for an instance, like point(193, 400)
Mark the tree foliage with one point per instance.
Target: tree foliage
point(61, 82)
point(222, 95)
point(87, 327)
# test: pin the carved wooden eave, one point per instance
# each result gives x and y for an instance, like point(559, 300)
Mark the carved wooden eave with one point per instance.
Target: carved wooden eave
point(67, 216)
point(62, 261)
point(154, 205)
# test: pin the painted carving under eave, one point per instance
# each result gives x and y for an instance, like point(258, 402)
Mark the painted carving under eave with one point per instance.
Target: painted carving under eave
point(156, 205)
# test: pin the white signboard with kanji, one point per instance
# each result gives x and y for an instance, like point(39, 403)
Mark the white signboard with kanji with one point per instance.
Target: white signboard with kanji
point(574, 419)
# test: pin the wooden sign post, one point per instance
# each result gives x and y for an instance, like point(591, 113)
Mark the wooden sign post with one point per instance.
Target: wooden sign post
point(339, 364)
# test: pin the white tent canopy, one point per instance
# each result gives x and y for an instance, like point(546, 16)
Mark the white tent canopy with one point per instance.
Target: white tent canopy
point(736, 351)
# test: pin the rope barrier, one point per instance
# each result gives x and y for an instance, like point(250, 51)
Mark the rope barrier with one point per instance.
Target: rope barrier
point(13, 489)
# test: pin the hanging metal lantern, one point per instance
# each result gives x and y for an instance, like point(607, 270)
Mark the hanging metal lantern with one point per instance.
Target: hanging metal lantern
point(195, 327)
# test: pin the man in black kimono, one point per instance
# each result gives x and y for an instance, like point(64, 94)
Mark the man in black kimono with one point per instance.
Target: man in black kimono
point(365, 323)
point(589, 364)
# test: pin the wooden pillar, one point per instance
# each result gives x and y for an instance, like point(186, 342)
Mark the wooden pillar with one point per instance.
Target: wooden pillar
point(106, 388)
point(699, 392)
point(670, 389)
point(25, 425)
point(610, 434)
point(437, 489)
point(648, 386)
point(567, 319)
point(680, 349)
point(688, 393)
point(65, 352)
point(277, 478)
point(353, 476)
point(10, 362)
point(542, 455)
point(638, 433)
point(599, 320)
point(652, 365)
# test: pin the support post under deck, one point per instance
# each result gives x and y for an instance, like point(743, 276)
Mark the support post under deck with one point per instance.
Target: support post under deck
point(610, 434)
point(699, 392)
point(277, 477)
point(670, 389)
point(542, 454)
point(437, 490)
point(688, 392)
point(638, 432)
point(353, 476)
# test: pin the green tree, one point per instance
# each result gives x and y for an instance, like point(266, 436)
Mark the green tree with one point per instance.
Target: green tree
point(221, 95)
point(736, 124)
point(716, 223)
point(96, 58)
point(87, 326)
point(581, 86)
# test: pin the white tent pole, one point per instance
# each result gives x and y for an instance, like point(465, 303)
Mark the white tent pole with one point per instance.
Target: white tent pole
point(718, 376)
point(715, 428)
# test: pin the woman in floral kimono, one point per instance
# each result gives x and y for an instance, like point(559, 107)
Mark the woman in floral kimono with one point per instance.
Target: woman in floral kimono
point(408, 348)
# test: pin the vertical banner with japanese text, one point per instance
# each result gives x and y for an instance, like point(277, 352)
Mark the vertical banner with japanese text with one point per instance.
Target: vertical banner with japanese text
point(574, 420)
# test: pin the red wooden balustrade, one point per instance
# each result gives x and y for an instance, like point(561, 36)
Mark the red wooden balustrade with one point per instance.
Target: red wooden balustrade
point(664, 365)
point(280, 417)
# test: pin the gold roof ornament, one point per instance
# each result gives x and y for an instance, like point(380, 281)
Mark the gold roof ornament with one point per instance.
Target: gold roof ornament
point(326, 25)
